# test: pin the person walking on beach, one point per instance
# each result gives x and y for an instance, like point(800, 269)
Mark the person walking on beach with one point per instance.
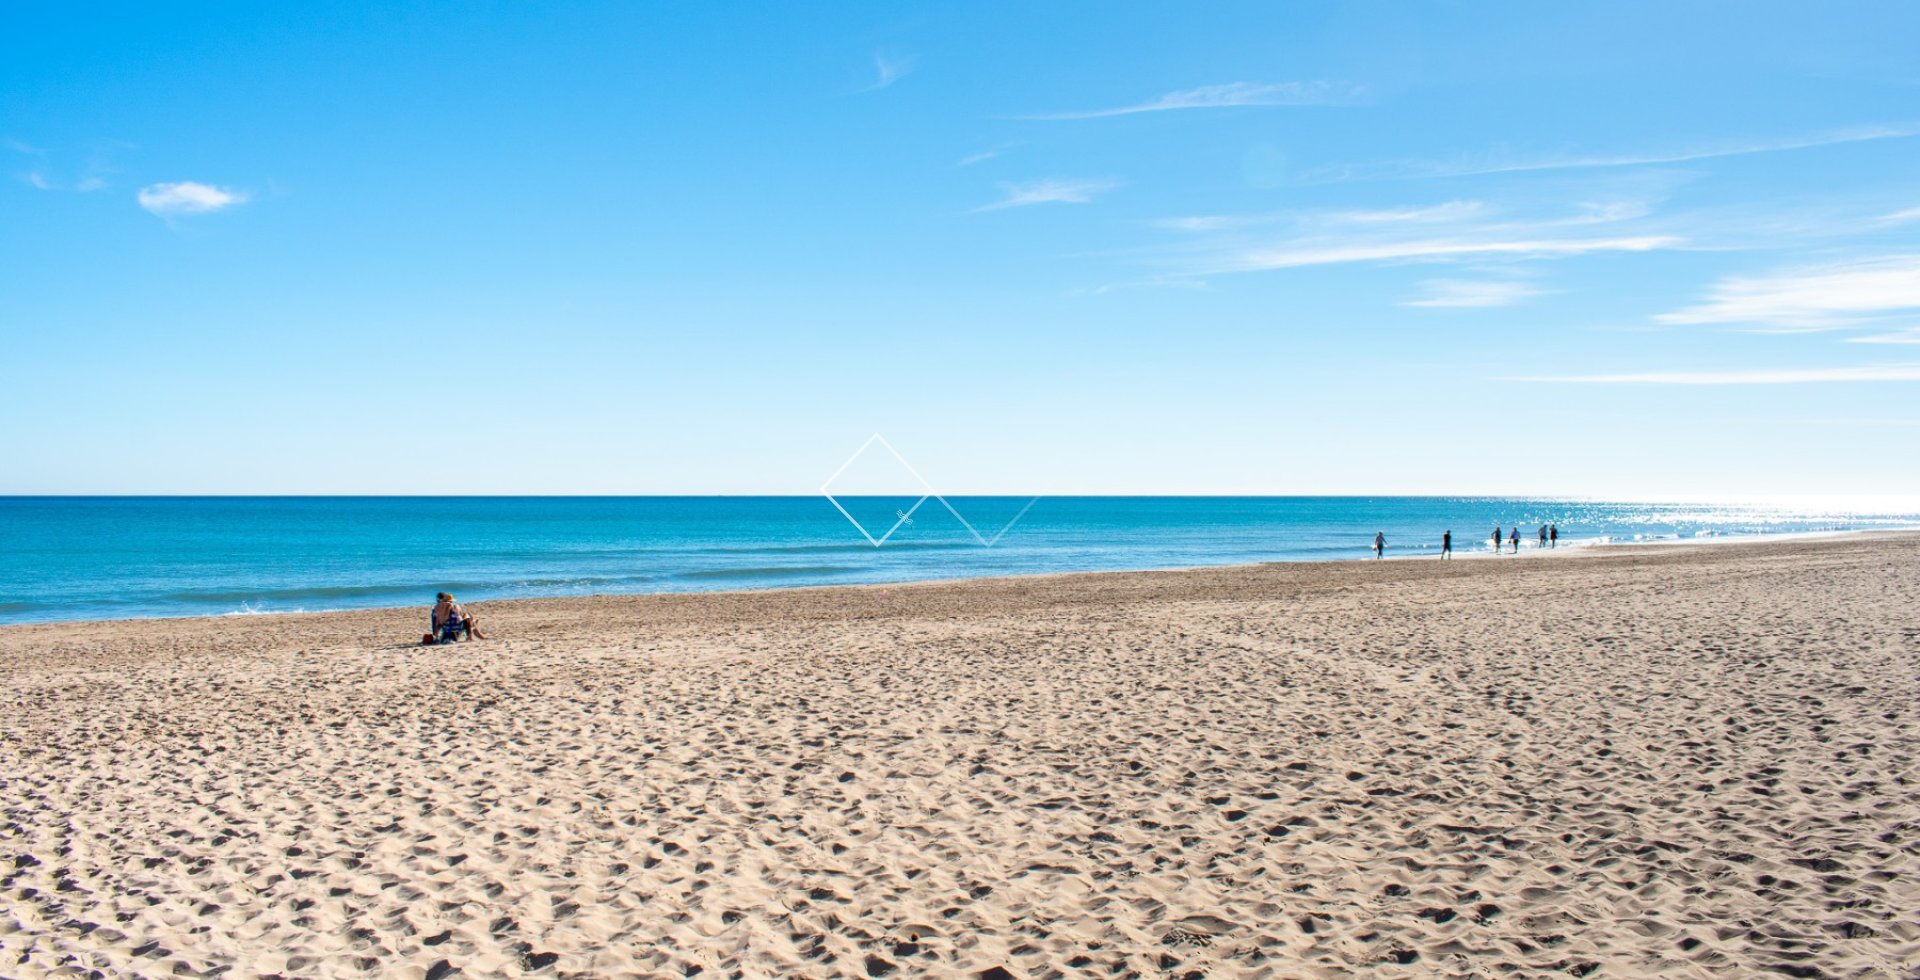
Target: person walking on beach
point(1553, 535)
point(1446, 543)
point(1516, 539)
point(1379, 543)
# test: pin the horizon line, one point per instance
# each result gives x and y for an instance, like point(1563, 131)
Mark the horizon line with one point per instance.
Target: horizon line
point(1683, 498)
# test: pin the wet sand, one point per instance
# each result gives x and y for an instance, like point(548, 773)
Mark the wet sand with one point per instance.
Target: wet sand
point(1678, 761)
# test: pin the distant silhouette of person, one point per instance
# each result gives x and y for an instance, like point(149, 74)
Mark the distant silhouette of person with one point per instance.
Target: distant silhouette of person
point(1379, 543)
point(1516, 539)
point(1543, 535)
point(1496, 539)
point(1553, 535)
point(1446, 544)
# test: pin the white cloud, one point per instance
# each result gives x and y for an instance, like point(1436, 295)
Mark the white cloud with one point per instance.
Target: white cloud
point(41, 181)
point(1229, 95)
point(1901, 217)
point(188, 197)
point(1052, 191)
point(1496, 164)
point(48, 174)
point(889, 70)
point(1215, 222)
point(1603, 212)
point(984, 155)
point(1814, 298)
point(1452, 231)
point(1114, 287)
point(38, 178)
point(1449, 211)
point(1909, 335)
point(1784, 376)
point(1467, 293)
point(1335, 254)
point(1432, 213)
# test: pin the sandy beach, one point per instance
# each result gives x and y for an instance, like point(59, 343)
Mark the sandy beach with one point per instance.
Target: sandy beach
point(1649, 761)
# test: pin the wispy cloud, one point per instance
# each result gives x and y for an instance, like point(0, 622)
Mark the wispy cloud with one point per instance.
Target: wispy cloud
point(40, 181)
point(1827, 297)
point(1227, 96)
point(1501, 163)
point(188, 197)
point(1216, 222)
point(1447, 232)
point(1051, 191)
point(1901, 217)
point(984, 155)
point(1909, 335)
point(887, 70)
point(1601, 212)
point(1438, 249)
point(1432, 213)
point(1782, 376)
point(1449, 211)
point(1470, 293)
point(45, 176)
point(1859, 422)
point(1506, 234)
point(1114, 287)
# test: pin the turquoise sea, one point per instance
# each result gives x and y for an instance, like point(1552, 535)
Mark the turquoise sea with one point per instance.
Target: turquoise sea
point(67, 558)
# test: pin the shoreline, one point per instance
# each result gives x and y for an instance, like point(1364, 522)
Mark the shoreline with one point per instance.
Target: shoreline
point(1573, 548)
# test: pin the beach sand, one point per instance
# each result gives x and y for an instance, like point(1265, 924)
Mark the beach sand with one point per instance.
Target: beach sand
point(1673, 761)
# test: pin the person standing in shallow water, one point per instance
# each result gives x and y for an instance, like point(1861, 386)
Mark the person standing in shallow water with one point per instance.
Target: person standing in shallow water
point(1379, 543)
point(1496, 539)
point(1553, 535)
point(1516, 539)
point(1543, 535)
point(1446, 544)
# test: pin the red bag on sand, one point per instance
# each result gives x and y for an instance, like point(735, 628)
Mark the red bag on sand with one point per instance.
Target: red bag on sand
point(427, 640)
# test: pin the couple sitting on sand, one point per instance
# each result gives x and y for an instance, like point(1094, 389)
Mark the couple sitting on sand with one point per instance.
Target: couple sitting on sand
point(450, 623)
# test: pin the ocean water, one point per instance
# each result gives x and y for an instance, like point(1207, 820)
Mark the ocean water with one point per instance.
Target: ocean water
point(67, 558)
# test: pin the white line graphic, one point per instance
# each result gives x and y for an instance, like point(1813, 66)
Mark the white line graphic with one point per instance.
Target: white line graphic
point(906, 517)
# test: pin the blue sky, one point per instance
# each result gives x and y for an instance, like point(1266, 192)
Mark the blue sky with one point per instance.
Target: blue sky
point(1608, 249)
